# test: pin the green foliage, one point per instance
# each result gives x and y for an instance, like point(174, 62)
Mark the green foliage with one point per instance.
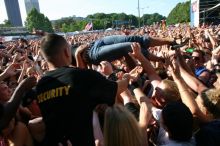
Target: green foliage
point(6, 23)
point(38, 21)
point(179, 14)
point(99, 20)
point(149, 19)
point(69, 24)
point(102, 21)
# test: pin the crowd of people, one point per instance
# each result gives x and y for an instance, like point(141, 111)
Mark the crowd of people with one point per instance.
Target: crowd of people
point(146, 87)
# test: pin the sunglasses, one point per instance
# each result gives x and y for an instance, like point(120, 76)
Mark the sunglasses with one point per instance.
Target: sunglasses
point(195, 58)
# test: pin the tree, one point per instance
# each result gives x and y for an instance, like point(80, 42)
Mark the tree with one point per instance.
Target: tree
point(6, 23)
point(103, 21)
point(38, 21)
point(149, 19)
point(179, 14)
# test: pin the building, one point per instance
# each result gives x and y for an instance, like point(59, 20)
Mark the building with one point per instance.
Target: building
point(13, 12)
point(30, 4)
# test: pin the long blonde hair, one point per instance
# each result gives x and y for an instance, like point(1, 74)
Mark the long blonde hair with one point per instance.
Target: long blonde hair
point(121, 128)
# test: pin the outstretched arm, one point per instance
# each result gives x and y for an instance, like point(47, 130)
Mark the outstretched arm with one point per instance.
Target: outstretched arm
point(145, 112)
point(148, 68)
point(183, 63)
point(213, 42)
point(9, 71)
point(11, 107)
point(79, 56)
point(192, 81)
point(216, 51)
point(187, 96)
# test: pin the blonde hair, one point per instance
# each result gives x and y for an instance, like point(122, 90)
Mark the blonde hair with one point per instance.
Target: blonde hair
point(211, 100)
point(121, 128)
point(171, 91)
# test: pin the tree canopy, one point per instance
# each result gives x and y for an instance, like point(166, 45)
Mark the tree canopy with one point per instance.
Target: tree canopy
point(149, 19)
point(179, 14)
point(38, 21)
point(6, 23)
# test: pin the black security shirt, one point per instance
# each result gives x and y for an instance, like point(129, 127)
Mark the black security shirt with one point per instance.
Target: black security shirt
point(67, 97)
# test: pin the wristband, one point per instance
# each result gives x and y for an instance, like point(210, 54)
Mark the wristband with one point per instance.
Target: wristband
point(134, 85)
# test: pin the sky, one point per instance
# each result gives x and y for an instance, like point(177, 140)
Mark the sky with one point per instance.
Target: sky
point(56, 9)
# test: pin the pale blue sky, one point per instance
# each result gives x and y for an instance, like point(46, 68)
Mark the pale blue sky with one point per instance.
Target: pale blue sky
point(55, 9)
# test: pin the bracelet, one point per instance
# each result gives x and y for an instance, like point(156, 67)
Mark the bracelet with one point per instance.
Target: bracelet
point(134, 85)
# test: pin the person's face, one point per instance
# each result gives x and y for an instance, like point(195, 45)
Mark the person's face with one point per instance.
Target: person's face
point(197, 59)
point(5, 92)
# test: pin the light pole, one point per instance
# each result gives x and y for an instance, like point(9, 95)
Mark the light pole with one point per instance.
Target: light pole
point(143, 13)
point(139, 17)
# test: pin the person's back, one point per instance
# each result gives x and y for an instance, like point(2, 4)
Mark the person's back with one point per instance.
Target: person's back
point(67, 98)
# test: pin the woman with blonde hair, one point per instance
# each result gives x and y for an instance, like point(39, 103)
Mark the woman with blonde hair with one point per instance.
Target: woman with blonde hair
point(121, 128)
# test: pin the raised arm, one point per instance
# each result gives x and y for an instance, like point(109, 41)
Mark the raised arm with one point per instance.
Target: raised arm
point(192, 81)
point(145, 112)
point(9, 71)
point(216, 51)
point(127, 77)
point(183, 63)
point(148, 68)
point(187, 96)
point(11, 107)
point(213, 42)
point(79, 56)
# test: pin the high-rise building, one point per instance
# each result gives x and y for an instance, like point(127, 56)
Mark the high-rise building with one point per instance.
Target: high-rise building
point(13, 12)
point(30, 4)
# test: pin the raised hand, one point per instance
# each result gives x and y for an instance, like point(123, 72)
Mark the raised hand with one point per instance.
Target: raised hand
point(136, 50)
point(81, 48)
point(134, 73)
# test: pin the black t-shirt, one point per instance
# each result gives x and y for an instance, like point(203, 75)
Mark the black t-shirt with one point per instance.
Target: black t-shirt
point(1, 114)
point(67, 97)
